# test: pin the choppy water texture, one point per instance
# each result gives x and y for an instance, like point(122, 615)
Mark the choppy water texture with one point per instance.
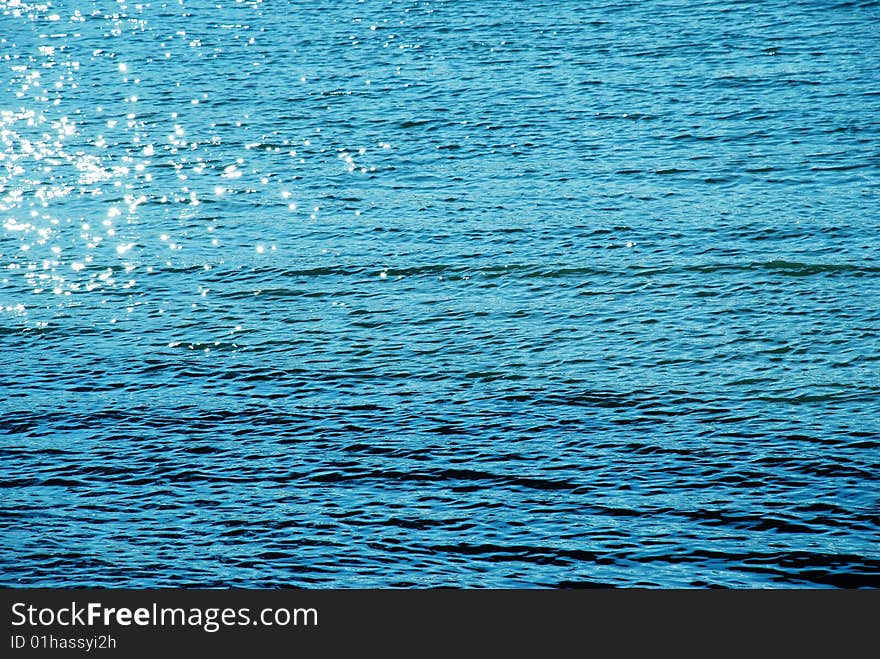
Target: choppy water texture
point(477, 293)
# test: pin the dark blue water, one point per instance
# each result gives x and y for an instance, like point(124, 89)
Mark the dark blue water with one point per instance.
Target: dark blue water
point(476, 293)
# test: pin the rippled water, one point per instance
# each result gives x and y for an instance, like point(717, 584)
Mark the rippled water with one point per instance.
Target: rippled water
point(476, 293)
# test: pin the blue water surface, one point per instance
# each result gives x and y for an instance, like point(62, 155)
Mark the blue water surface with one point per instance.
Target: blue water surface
point(454, 293)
